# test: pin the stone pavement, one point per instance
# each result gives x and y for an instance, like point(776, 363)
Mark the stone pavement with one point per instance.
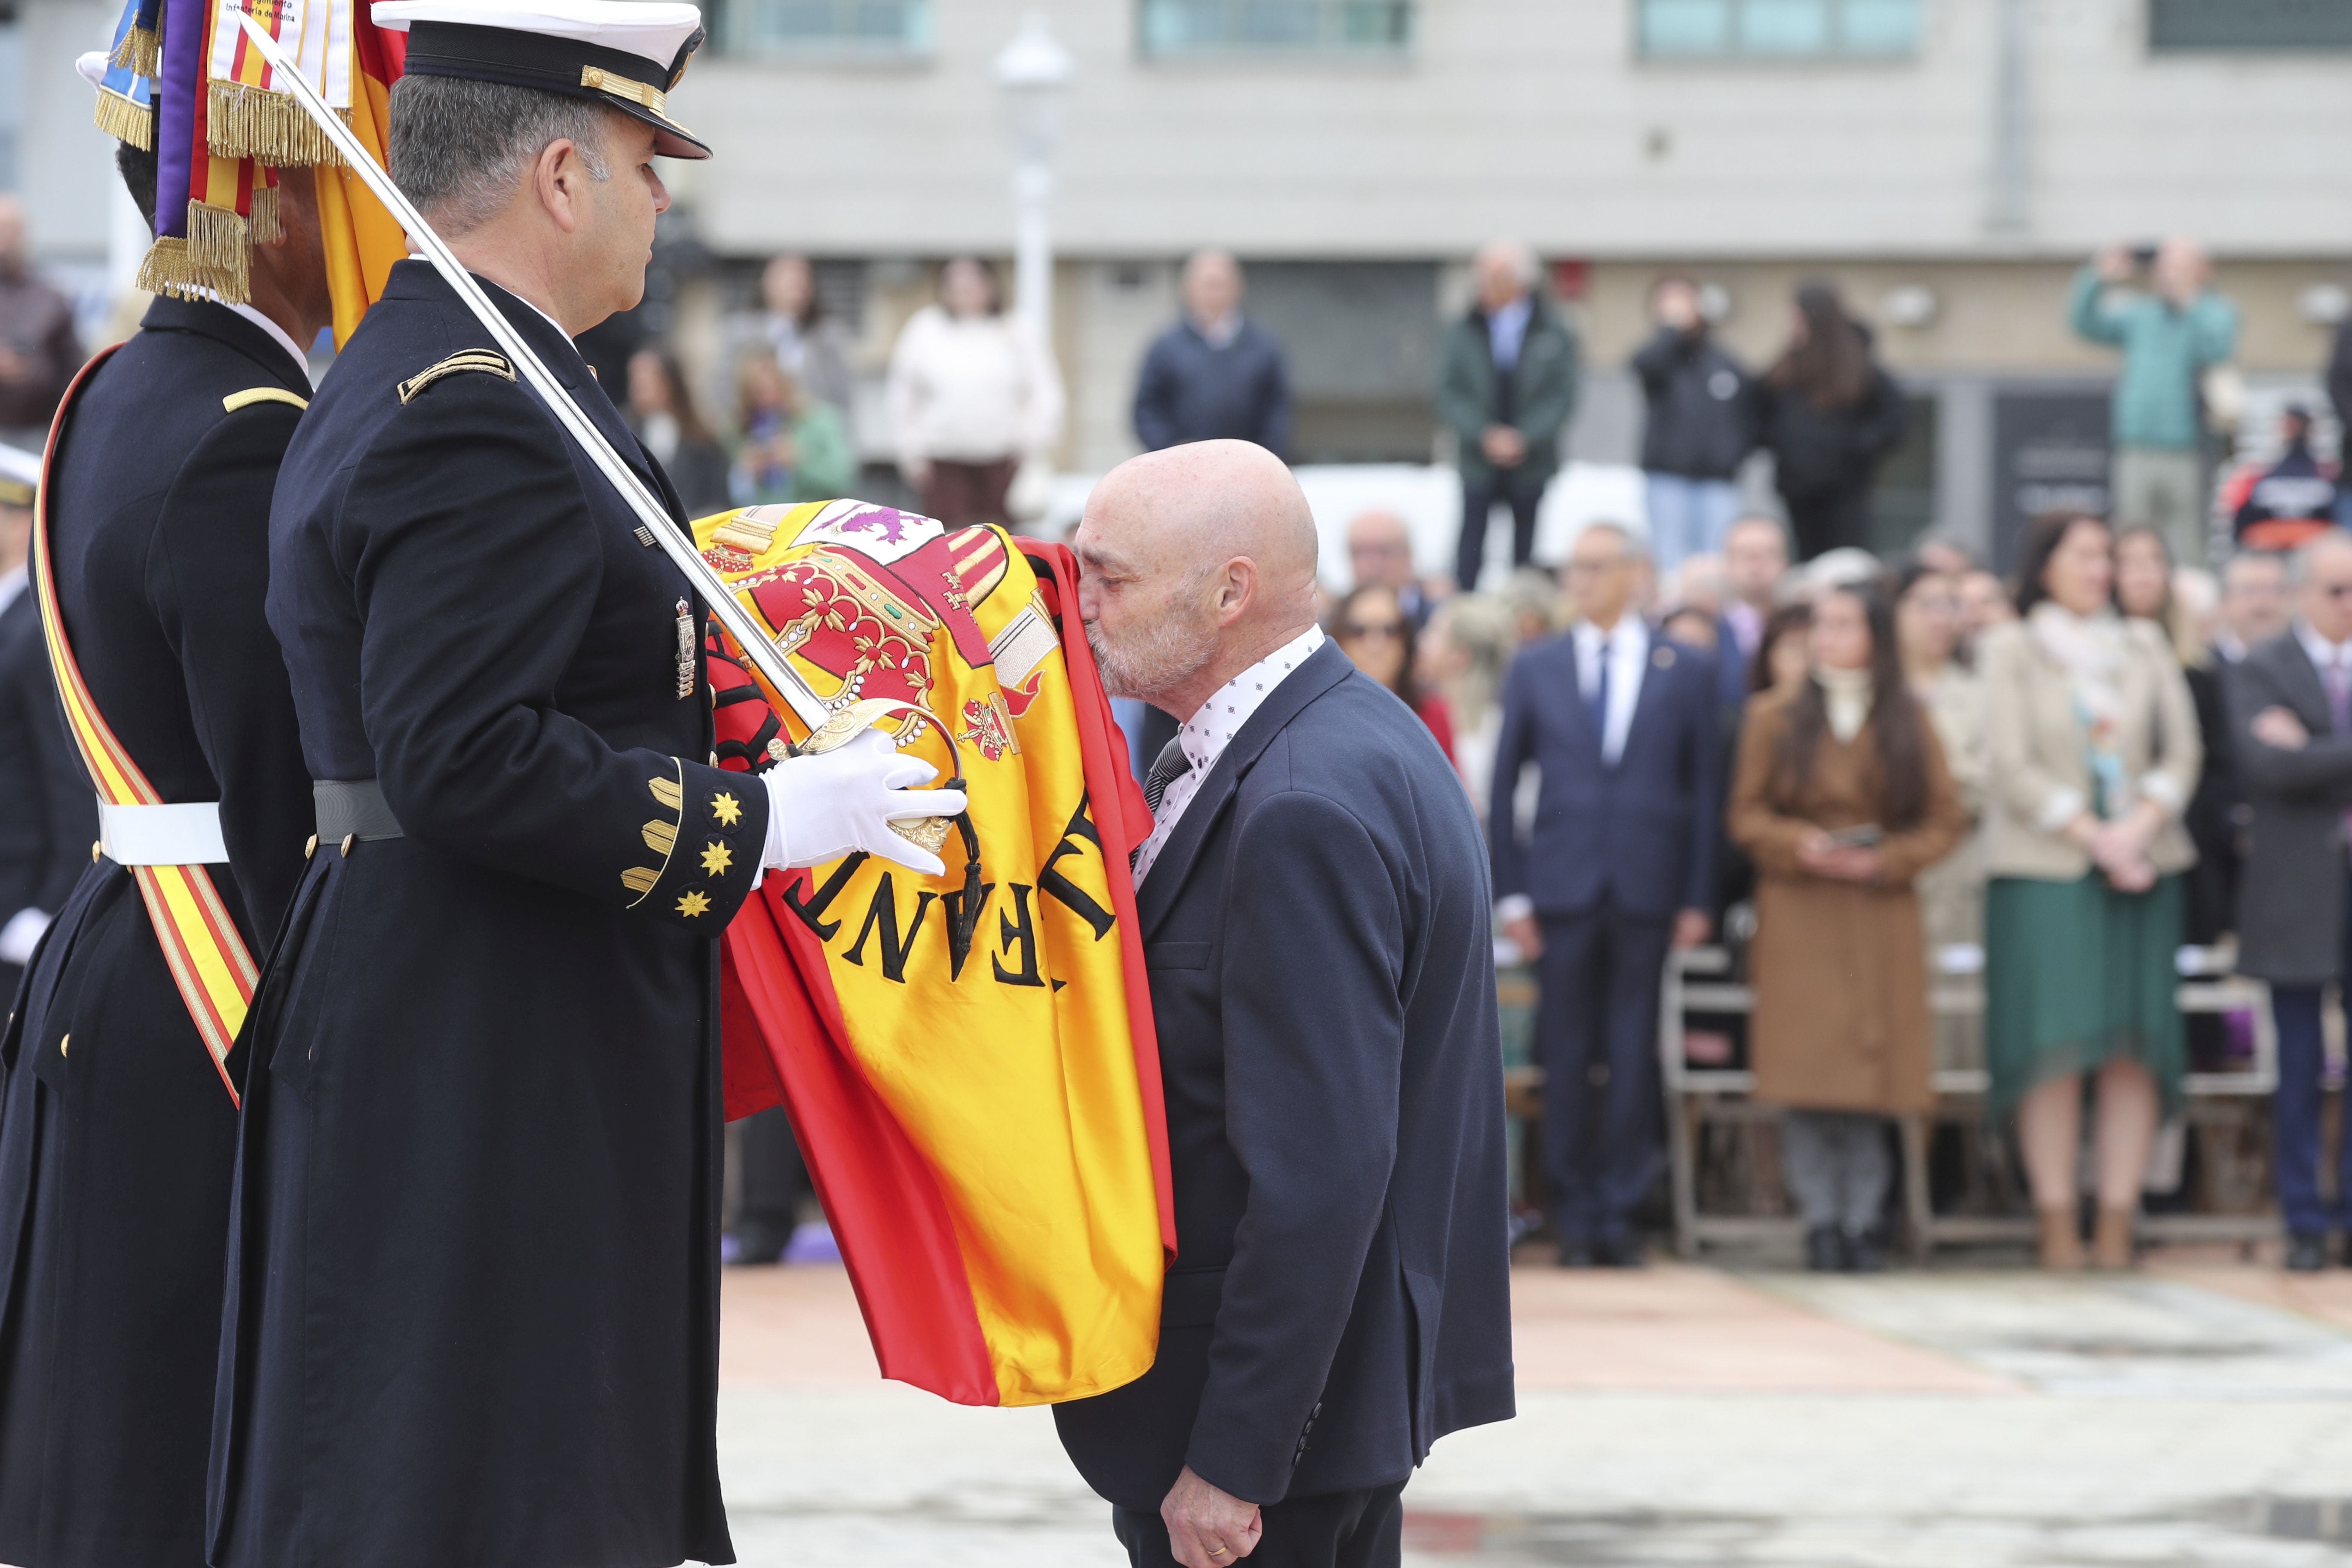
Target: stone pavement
point(2195, 1414)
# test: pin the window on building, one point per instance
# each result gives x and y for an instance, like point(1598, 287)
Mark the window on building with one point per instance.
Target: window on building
point(2250, 24)
point(1779, 30)
point(1214, 27)
point(825, 26)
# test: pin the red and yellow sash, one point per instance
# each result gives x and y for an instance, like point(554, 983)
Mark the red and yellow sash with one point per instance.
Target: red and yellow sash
point(207, 958)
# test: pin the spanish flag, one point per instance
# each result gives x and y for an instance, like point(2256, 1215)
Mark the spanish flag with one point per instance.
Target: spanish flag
point(969, 1060)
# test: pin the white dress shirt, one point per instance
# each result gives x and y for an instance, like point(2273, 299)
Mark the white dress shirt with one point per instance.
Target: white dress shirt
point(285, 339)
point(1210, 729)
point(1628, 652)
point(1507, 332)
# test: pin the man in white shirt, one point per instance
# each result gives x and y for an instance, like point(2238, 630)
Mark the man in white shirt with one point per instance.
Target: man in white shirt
point(1314, 916)
point(1625, 731)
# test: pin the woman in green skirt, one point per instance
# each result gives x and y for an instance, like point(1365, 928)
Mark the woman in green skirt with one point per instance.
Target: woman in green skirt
point(2093, 742)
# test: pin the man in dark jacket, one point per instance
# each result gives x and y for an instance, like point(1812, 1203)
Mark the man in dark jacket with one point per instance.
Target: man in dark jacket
point(1314, 920)
point(1700, 426)
point(47, 818)
point(1626, 731)
point(2293, 499)
point(2291, 712)
point(1215, 375)
point(1505, 387)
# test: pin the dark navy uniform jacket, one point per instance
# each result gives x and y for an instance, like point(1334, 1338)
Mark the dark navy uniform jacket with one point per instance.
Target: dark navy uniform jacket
point(1320, 937)
point(117, 1136)
point(472, 1312)
point(47, 816)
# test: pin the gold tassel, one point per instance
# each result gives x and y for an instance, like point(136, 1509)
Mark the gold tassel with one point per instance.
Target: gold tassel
point(168, 269)
point(125, 120)
point(242, 121)
point(140, 49)
point(220, 246)
point(266, 226)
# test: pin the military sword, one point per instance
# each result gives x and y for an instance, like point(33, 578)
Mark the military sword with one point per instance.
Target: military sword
point(658, 524)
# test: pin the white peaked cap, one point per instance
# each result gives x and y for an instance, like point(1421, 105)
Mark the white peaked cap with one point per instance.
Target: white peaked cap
point(655, 29)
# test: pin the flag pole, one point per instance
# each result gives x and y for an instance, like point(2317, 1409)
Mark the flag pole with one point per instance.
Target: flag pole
point(658, 523)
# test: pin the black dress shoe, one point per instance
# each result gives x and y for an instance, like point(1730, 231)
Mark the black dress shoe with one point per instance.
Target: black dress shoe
point(2306, 1252)
point(1863, 1255)
point(1825, 1250)
point(1617, 1252)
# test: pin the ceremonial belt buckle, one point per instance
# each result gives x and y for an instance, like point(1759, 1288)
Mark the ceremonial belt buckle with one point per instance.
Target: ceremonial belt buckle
point(184, 834)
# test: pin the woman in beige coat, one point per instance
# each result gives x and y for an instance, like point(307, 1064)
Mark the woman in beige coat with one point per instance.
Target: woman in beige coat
point(2094, 746)
point(1841, 797)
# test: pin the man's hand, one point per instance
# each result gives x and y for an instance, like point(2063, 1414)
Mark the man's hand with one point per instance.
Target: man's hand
point(1528, 933)
point(2280, 729)
point(1208, 1528)
point(2114, 264)
point(917, 473)
point(12, 366)
point(1692, 927)
point(1504, 448)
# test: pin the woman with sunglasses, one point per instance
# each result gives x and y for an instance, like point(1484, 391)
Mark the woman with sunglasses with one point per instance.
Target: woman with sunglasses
point(1372, 630)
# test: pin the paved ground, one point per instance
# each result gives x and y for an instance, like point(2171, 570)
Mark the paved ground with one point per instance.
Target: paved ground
point(2196, 1413)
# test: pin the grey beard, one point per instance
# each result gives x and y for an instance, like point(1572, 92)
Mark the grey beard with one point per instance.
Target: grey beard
point(1147, 665)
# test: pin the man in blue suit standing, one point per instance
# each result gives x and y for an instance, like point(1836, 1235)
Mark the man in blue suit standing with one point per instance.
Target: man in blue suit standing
point(1625, 729)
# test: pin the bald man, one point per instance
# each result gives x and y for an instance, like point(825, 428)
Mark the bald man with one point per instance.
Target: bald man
point(1379, 551)
point(1314, 910)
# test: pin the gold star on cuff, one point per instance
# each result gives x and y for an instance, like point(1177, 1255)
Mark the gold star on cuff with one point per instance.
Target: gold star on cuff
point(726, 809)
point(693, 904)
point(716, 859)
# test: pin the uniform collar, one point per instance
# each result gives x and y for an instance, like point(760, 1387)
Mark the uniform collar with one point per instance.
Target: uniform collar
point(268, 349)
point(284, 338)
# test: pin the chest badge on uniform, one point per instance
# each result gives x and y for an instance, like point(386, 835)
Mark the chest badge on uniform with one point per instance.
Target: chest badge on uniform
point(685, 650)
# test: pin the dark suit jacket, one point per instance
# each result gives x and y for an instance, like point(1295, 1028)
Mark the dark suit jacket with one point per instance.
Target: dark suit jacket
point(1318, 938)
point(1642, 833)
point(2291, 897)
point(48, 812)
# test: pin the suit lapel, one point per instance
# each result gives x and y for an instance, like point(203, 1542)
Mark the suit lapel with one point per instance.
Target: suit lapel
point(1324, 668)
point(2303, 685)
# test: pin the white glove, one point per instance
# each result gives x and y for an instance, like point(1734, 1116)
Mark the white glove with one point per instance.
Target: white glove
point(21, 935)
point(820, 807)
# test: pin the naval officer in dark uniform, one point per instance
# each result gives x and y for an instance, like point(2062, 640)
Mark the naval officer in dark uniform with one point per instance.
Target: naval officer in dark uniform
point(47, 821)
point(473, 1312)
point(117, 1134)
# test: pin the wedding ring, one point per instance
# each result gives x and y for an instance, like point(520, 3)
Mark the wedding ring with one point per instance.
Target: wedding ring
point(1219, 1551)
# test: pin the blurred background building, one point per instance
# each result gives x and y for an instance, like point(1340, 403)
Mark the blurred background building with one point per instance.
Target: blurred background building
point(1950, 162)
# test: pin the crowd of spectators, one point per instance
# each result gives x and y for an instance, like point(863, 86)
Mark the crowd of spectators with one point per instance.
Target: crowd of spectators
point(1858, 773)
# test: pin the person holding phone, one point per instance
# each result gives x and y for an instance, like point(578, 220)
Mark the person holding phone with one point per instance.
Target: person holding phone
point(1841, 797)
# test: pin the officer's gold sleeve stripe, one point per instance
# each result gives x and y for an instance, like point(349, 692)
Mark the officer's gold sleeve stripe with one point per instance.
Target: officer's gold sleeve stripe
point(253, 394)
point(667, 791)
point(640, 880)
point(661, 837)
point(481, 360)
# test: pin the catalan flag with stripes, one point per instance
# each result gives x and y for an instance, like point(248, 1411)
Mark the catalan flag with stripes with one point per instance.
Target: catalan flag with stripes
point(969, 1060)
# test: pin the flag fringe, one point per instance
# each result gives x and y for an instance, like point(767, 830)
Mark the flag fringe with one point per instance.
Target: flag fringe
point(140, 49)
point(266, 225)
point(171, 267)
point(125, 120)
point(247, 121)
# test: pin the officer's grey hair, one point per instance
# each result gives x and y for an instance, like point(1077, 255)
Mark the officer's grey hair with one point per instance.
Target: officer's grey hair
point(1516, 254)
point(458, 147)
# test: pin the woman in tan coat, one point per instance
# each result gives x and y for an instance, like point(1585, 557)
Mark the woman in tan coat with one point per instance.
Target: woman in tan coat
point(1841, 797)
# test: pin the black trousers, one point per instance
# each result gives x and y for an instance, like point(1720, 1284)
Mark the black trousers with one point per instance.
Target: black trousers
point(774, 1178)
point(1477, 503)
point(1601, 970)
point(1823, 520)
point(1330, 1529)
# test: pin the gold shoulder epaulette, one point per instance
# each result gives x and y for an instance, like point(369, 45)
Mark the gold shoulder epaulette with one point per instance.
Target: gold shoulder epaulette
point(253, 394)
point(481, 360)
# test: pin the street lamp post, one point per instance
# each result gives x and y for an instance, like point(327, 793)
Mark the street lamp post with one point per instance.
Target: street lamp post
point(1033, 70)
